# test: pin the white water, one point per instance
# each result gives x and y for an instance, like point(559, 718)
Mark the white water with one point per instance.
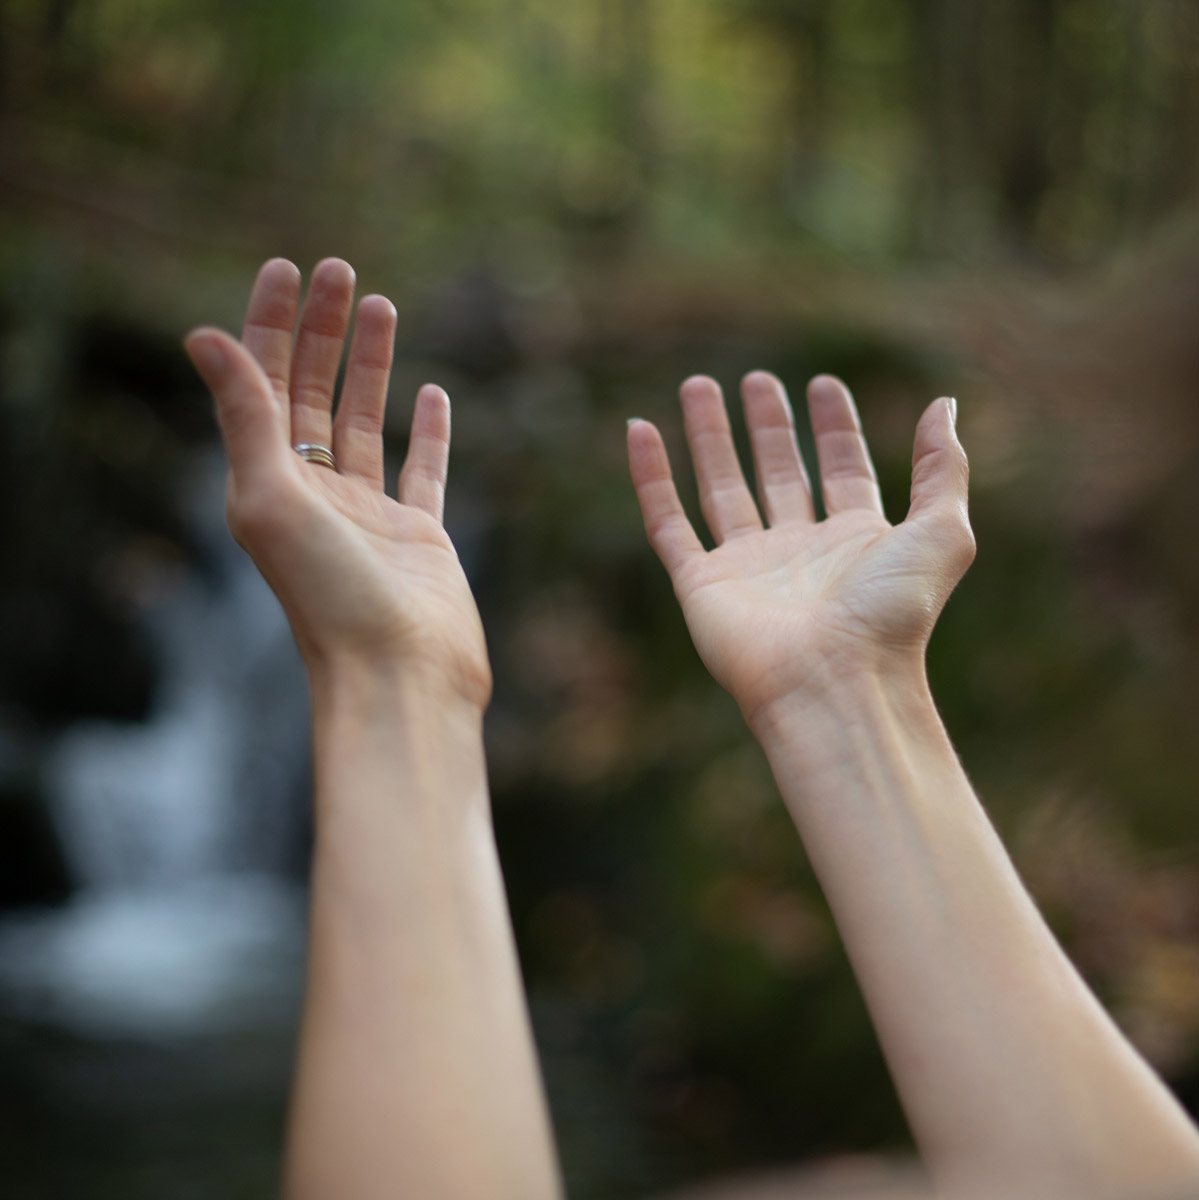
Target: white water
point(174, 828)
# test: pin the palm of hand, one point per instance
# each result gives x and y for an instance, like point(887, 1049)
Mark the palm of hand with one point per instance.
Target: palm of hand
point(759, 607)
point(359, 574)
point(376, 578)
point(772, 608)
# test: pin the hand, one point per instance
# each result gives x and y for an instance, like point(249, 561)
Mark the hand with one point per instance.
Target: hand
point(361, 576)
point(776, 607)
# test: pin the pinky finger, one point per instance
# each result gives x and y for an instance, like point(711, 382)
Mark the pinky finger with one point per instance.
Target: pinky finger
point(670, 532)
point(422, 480)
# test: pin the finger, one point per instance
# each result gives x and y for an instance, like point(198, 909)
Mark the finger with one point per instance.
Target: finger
point(783, 487)
point(670, 533)
point(250, 419)
point(422, 481)
point(847, 477)
point(314, 364)
point(940, 473)
point(940, 483)
point(271, 323)
point(724, 496)
point(358, 428)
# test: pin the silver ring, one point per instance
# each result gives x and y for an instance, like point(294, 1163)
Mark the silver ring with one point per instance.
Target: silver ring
point(311, 452)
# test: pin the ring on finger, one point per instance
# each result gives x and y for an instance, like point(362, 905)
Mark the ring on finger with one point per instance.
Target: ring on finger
point(314, 453)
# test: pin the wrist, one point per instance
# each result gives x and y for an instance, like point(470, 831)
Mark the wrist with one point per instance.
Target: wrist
point(834, 691)
point(398, 740)
point(857, 728)
point(392, 687)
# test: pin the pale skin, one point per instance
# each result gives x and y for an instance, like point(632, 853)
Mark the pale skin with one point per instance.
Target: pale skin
point(1014, 1079)
point(416, 1072)
point(416, 1069)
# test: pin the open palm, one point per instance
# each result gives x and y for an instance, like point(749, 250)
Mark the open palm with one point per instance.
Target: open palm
point(783, 599)
point(358, 573)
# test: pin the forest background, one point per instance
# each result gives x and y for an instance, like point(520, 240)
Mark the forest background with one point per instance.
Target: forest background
point(574, 206)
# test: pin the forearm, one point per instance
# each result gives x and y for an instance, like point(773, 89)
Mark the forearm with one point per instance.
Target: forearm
point(1008, 1067)
point(417, 1073)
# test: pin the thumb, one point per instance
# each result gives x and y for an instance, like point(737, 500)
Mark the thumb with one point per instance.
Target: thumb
point(940, 472)
point(247, 411)
point(940, 481)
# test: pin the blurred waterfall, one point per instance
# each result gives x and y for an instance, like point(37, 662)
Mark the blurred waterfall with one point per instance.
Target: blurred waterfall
point(177, 830)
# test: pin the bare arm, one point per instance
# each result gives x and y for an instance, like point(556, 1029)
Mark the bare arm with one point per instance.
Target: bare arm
point(1011, 1073)
point(416, 1074)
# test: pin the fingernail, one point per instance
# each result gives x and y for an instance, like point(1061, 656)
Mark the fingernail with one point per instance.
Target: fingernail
point(953, 411)
point(631, 421)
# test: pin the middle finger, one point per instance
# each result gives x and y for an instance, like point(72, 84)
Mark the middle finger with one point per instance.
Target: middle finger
point(322, 335)
point(724, 497)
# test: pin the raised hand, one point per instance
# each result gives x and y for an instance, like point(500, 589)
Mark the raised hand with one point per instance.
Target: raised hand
point(784, 599)
point(360, 576)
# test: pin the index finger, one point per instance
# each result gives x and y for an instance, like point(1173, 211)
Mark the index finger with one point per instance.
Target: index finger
point(271, 323)
point(670, 532)
point(847, 477)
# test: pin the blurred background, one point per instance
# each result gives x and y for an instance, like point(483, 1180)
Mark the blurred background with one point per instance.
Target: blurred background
point(574, 206)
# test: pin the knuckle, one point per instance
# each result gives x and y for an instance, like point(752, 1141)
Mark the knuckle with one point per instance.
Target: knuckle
point(968, 547)
point(963, 465)
point(358, 421)
point(955, 536)
point(962, 542)
point(277, 378)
